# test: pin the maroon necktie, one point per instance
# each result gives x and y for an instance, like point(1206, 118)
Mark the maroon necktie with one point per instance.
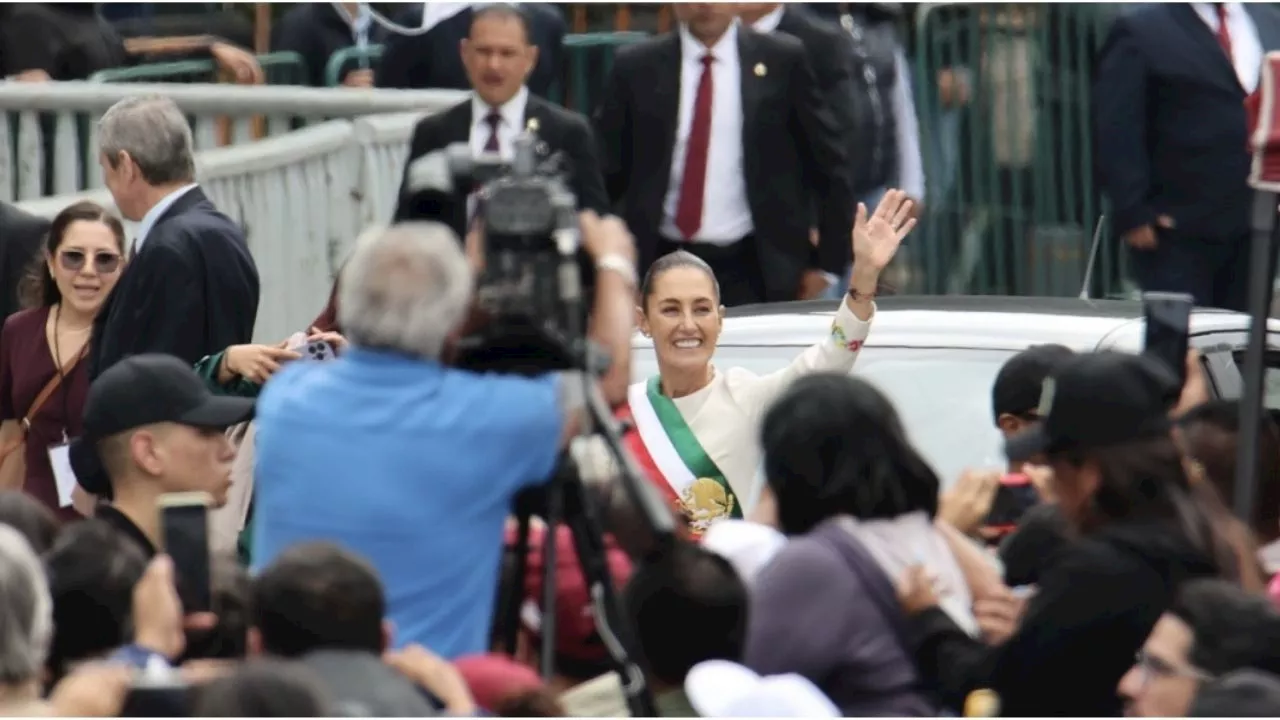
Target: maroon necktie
point(693, 184)
point(1224, 35)
point(494, 119)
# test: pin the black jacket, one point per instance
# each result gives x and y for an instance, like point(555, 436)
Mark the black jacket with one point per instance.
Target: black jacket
point(191, 291)
point(1094, 609)
point(21, 235)
point(316, 31)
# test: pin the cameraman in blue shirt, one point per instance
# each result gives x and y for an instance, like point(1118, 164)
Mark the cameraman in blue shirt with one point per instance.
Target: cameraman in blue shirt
point(413, 464)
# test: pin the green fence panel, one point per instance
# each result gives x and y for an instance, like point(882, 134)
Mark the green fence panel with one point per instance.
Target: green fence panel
point(280, 68)
point(339, 62)
point(1011, 205)
point(588, 61)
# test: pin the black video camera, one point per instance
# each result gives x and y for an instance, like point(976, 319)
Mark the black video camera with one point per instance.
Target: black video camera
point(532, 287)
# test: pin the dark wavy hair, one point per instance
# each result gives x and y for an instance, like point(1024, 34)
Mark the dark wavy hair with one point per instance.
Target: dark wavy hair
point(834, 445)
point(37, 287)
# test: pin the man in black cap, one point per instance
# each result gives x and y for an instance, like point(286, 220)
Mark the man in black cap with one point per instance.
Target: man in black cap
point(1015, 394)
point(151, 426)
point(1015, 399)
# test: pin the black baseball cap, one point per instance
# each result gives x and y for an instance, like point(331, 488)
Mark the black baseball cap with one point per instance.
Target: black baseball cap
point(1016, 390)
point(1098, 400)
point(144, 390)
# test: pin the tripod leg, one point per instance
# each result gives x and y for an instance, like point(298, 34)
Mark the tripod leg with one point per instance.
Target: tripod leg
point(511, 586)
point(588, 542)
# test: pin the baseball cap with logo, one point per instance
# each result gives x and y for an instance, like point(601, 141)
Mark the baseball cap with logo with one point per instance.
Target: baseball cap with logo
point(1099, 400)
point(145, 390)
point(1016, 390)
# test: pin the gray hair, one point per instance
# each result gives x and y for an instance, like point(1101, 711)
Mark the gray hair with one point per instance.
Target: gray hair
point(156, 135)
point(405, 288)
point(26, 610)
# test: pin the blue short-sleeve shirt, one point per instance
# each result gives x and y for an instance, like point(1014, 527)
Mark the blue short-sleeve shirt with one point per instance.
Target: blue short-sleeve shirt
point(412, 465)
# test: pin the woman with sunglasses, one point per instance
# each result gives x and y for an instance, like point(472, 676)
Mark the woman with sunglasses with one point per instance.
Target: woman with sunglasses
point(43, 373)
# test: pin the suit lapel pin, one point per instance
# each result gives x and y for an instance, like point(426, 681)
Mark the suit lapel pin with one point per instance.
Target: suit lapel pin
point(531, 125)
point(761, 70)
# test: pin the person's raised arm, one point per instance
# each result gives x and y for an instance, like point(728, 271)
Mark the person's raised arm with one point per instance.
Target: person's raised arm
point(613, 250)
point(875, 240)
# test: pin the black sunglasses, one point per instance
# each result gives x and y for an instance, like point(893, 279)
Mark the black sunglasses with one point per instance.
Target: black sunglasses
point(104, 263)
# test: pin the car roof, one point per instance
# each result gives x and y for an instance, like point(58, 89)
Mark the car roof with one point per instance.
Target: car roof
point(956, 321)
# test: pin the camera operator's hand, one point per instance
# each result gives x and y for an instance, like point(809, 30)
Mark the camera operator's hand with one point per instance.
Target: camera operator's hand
point(606, 236)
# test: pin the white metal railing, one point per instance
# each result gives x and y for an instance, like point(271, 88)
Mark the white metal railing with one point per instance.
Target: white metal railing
point(302, 197)
point(62, 119)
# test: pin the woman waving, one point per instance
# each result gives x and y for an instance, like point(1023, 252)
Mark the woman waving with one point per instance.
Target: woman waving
point(698, 424)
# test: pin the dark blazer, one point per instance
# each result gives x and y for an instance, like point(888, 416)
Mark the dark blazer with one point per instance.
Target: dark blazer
point(191, 291)
point(21, 235)
point(434, 60)
point(1169, 127)
point(793, 154)
point(316, 31)
point(560, 129)
point(830, 52)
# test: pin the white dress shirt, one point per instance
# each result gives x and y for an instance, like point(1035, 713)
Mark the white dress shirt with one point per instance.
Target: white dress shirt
point(149, 220)
point(726, 214)
point(1246, 47)
point(510, 127)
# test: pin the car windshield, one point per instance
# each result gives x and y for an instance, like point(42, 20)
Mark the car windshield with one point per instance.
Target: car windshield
point(942, 394)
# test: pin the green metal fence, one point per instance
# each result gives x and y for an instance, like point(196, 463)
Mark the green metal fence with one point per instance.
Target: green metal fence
point(588, 61)
point(280, 68)
point(346, 59)
point(1003, 97)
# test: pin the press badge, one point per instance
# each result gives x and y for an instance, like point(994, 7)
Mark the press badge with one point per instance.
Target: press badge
point(63, 476)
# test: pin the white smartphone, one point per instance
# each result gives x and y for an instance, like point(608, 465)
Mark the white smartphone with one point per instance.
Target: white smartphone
point(319, 350)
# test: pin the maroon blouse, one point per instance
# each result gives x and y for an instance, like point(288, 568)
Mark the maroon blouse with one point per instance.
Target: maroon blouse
point(26, 365)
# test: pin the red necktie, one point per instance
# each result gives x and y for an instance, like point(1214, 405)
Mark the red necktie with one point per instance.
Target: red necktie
point(494, 119)
point(1224, 35)
point(693, 184)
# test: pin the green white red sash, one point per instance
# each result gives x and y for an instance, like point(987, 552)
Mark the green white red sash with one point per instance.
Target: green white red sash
point(700, 486)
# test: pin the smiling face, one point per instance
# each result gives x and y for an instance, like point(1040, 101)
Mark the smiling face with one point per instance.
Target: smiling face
point(86, 265)
point(683, 315)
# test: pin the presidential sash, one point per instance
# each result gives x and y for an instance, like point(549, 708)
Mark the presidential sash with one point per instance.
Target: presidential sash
point(671, 447)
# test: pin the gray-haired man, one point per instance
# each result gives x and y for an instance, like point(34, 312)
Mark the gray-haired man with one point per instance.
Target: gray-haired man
point(190, 288)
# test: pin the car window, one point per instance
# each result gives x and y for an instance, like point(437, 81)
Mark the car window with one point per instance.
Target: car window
point(1271, 381)
point(943, 395)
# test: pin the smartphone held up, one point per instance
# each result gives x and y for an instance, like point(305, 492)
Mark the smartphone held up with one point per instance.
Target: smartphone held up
point(184, 523)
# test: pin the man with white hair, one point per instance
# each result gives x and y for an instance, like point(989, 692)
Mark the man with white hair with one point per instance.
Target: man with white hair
point(191, 287)
point(409, 463)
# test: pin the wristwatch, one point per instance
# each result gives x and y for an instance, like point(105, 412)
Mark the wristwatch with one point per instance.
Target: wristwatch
point(619, 264)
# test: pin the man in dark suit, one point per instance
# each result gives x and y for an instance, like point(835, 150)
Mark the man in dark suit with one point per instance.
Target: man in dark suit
point(499, 57)
point(431, 60)
point(21, 235)
point(1172, 142)
point(830, 52)
point(734, 185)
point(191, 287)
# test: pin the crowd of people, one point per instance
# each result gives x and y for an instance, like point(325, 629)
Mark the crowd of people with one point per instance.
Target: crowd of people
point(360, 476)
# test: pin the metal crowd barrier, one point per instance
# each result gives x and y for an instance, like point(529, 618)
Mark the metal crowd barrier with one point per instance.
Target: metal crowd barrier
point(48, 131)
point(302, 197)
point(280, 68)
